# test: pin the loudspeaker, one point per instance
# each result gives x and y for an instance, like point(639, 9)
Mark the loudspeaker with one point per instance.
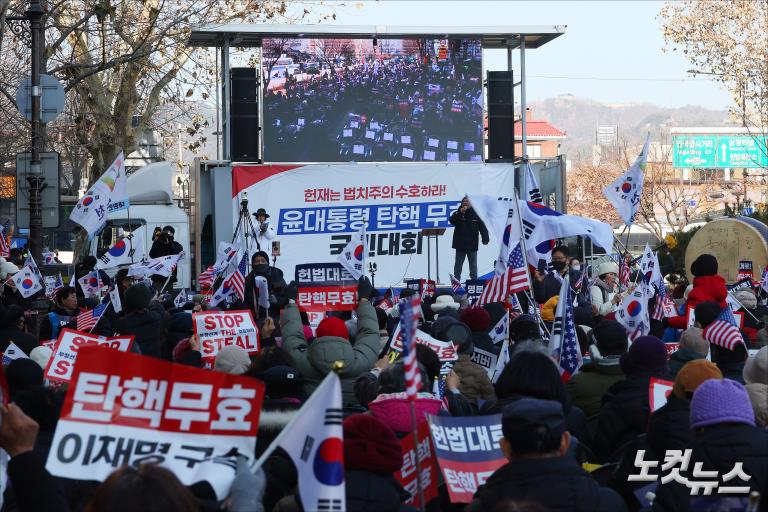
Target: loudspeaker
point(501, 116)
point(244, 114)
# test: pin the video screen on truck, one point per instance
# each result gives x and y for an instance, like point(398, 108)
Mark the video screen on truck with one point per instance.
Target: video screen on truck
point(346, 100)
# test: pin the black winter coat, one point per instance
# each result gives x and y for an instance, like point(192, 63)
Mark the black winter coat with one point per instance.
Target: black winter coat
point(719, 448)
point(147, 327)
point(275, 285)
point(370, 492)
point(623, 415)
point(21, 339)
point(669, 427)
point(467, 226)
point(556, 483)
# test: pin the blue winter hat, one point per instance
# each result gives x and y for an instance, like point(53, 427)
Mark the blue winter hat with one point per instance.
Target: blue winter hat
point(721, 401)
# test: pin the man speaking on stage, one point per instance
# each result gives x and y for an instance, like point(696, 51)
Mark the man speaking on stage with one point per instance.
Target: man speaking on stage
point(467, 226)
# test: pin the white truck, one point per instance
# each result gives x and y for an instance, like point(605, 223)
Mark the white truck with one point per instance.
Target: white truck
point(152, 206)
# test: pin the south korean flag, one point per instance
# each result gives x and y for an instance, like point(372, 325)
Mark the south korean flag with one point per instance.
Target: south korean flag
point(352, 257)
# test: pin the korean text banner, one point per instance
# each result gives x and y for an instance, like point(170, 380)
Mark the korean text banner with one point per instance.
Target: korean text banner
point(468, 452)
point(317, 208)
point(67, 348)
point(427, 466)
point(124, 408)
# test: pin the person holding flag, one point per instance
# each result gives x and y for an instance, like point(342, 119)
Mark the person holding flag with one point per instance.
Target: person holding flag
point(708, 286)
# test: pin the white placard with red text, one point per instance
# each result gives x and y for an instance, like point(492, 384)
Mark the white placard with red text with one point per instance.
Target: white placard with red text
point(658, 392)
point(315, 210)
point(126, 409)
point(68, 346)
point(217, 329)
point(445, 350)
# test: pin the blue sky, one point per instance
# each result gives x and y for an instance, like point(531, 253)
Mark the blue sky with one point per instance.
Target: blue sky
point(604, 41)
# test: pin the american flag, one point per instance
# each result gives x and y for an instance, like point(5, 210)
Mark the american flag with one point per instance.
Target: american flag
point(722, 333)
point(207, 277)
point(663, 302)
point(236, 280)
point(727, 315)
point(87, 320)
point(440, 385)
point(456, 287)
point(624, 270)
point(5, 251)
point(565, 345)
point(409, 318)
point(513, 280)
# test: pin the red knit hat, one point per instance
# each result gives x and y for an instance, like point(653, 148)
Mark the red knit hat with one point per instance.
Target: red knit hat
point(477, 318)
point(332, 326)
point(370, 445)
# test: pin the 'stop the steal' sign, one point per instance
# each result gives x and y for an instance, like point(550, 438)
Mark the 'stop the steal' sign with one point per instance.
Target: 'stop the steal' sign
point(126, 409)
point(217, 329)
point(67, 348)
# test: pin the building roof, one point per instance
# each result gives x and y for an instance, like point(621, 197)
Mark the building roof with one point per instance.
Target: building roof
point(538, 130)
point(250, 35)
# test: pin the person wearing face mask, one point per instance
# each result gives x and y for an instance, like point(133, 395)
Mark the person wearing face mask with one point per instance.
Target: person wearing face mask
point(547, 285)
point(275, 282)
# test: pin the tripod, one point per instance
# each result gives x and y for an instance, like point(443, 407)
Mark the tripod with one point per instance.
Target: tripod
point(246, 228)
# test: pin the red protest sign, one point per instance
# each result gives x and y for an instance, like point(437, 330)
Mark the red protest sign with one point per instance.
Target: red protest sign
point(67, 348)
point(327, 298)
point(658, 392)
point(217, 329)
point(129, 409)
point(427, 464)
point(671, 348)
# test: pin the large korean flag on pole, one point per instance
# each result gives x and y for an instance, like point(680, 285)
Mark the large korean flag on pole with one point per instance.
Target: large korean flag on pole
point(314, 439)
point(108, 194)
point(627, 190)
point(128, 249)
point(352, 257)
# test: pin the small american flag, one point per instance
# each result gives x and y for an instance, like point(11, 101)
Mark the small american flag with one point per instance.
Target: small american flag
point(727, 315)
point(409, 318)
point(456, 287)
point(513, 280)
point(236, 280)
point(5, 251)
point(207, 277)
point(441, 393)
point(723, 333)
point(568, 357)
point(624, 270)
point(663, 303)
point(87, 320)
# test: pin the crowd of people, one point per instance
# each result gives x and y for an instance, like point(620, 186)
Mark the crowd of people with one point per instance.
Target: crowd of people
point(324, 116)
point(568, 446)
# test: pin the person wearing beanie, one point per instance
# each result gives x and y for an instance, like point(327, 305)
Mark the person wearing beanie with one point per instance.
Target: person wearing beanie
point(232, 359)
point(692, 346)
point(478, 319)
point(708, 286)
point(751, 311)
point(41, 355)
point(606, 290)
point(608, 342)
point(13, 327)
point(756, 383)
point(143, 318)
point(668, 427)
point(284, 394)
point(625, 407)
point(372, 454)
point(539, 470)
point(724, 435)
point(331, 349)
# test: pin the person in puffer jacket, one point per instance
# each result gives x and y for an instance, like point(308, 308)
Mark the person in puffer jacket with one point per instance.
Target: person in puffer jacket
point(708, 286)
point(331, 347)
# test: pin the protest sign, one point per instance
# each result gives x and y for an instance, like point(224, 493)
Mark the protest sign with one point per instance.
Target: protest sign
point(127, 409)
point(327, 298)
point(746, 270)
point(316, 274)
point(406, 477)
point(485, 359)
point(474, 289)
point(658, 392)
point(446, 351)
point(67, 348)
point(671, 349)
point(217, 329)
point(423, 287)
point(468, 452)
point(739, 285)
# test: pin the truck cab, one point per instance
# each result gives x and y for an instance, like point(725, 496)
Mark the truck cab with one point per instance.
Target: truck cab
point(152, 206)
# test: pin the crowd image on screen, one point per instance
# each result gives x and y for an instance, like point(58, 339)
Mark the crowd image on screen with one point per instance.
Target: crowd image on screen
point(348, 100)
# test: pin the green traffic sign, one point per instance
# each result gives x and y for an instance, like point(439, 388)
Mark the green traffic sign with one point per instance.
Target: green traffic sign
point(719, 151)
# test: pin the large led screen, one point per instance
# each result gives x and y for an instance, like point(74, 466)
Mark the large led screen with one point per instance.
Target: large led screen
point(348, 100)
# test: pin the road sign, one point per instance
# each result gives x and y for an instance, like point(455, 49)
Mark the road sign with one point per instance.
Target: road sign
point(51, 101)
point(719, 151)
point(49, 166)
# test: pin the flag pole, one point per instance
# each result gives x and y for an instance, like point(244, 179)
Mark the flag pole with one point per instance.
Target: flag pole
point(737, 301)
point(414, 428)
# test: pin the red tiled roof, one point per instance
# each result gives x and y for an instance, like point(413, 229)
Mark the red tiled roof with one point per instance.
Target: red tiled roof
point(538, 129)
